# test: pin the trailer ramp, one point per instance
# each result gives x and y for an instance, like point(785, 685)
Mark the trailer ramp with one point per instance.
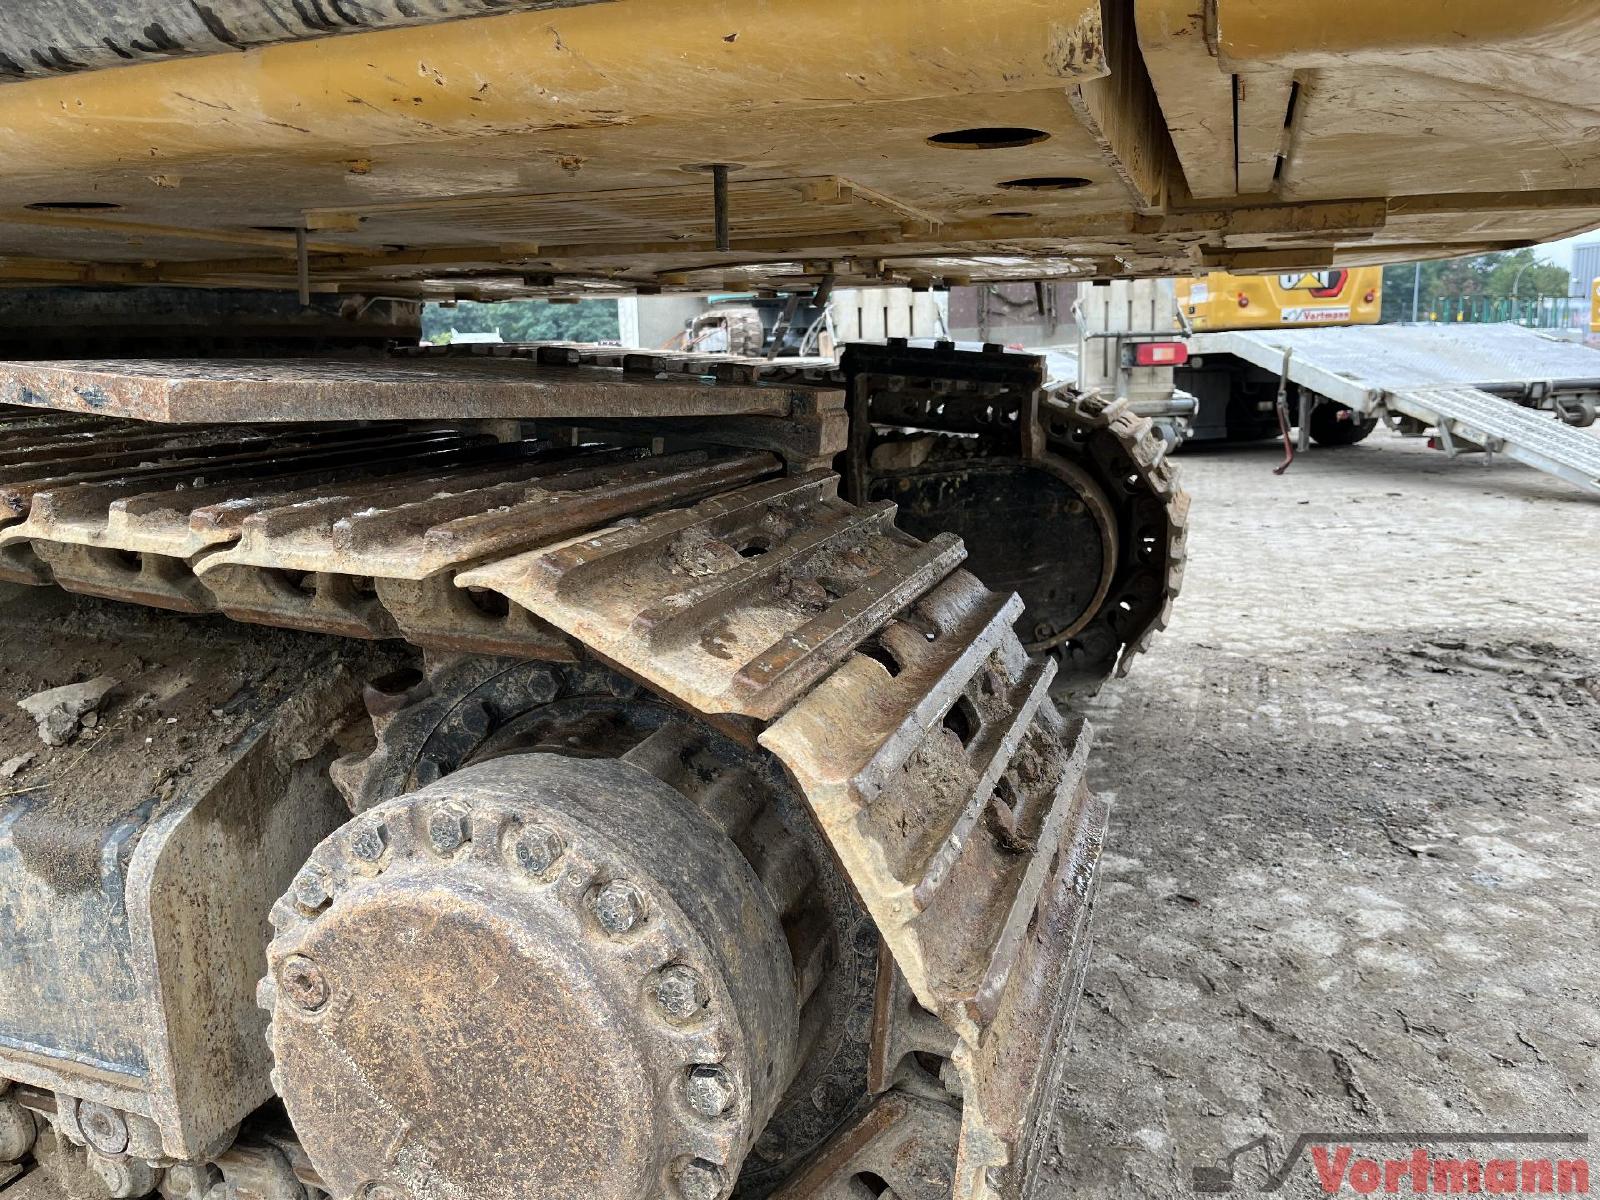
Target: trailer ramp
point(1464, 380)
point(1468, 419)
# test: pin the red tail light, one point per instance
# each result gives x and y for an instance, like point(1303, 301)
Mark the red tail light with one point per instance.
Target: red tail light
point(1160, 354)
point(1244, 301)
point(1371, 296)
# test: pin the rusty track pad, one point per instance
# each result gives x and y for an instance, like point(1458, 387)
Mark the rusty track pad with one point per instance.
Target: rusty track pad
point(954, 794)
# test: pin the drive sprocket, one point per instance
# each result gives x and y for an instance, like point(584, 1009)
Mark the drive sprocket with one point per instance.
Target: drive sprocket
point(464, 712)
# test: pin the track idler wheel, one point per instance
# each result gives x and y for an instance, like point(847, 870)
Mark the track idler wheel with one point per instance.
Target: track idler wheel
point(539, 976)
point(1045, 530)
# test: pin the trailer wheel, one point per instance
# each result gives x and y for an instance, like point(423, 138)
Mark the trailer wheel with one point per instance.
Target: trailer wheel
point(1335, 425)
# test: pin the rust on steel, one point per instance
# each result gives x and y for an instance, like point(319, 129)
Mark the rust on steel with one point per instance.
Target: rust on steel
point(907, 1142)
point(947, 783)
point(886, 680)
point(178, 832)
point(649, 1033)
point(397, 388)
point(738, 604)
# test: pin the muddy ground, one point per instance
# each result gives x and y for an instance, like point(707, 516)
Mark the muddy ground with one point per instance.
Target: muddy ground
point(1352, 874)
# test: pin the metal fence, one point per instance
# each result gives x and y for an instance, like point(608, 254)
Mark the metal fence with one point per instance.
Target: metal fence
point(1533, 312)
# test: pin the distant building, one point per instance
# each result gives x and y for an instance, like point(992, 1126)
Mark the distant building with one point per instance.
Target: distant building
point(1585, 270)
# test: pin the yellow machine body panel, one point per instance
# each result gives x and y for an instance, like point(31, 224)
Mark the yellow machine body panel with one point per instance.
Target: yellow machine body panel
point(1219, 301)
point(1594, 307)
point(564, 149)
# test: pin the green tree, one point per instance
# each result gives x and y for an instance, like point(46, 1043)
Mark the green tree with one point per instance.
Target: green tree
point(1522, 273)
point(1493, 276)
point(525, 320)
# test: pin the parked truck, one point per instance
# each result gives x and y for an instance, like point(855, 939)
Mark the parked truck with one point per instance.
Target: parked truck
point(1304, 352)
point(1130, 347)
point(514, 771)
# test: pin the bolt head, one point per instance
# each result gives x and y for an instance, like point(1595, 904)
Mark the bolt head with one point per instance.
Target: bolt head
point(474, 718)
point(368, 842)
point(447, 828)
point(699, 1179)
point(538, 850)
point(311, 888)
point(679, 992)
point(619, 906)
point(709, 1089)
point(302, 983)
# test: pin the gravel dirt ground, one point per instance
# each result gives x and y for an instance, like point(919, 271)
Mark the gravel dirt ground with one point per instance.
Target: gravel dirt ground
point(1351, 876)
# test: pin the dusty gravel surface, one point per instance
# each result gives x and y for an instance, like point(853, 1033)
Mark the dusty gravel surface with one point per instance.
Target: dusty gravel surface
point(1352, 877)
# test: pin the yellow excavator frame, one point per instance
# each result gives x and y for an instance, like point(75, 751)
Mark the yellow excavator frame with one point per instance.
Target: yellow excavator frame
point(567, 150)
point(1294, 299)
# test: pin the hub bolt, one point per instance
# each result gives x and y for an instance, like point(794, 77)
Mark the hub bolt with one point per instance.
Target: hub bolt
point(369, 842)
point(474, 718)
point(311, 888)
point(679, 992)
point(447, 828)
point(710, 1090)
point(700, 1180)
point(303, 984)
point(538, 850)
point(618, 906)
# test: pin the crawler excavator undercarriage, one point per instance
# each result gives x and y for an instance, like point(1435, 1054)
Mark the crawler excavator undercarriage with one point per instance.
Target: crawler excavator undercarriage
point(703, 829)
point(508, 772)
